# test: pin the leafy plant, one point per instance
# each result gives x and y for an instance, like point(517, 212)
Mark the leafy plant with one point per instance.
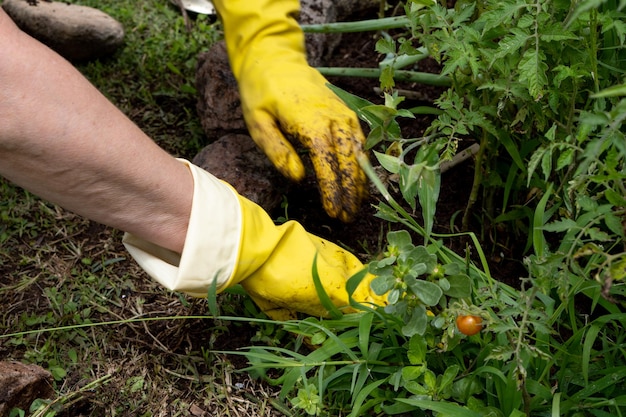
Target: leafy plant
point(539, 85)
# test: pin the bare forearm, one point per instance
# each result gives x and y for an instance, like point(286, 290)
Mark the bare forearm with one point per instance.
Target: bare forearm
point(64, 141)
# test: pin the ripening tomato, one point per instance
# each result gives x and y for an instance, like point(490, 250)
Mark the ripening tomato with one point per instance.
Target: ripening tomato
point(469, 325)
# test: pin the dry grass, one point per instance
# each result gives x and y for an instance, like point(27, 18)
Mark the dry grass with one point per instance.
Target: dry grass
point(60, 270)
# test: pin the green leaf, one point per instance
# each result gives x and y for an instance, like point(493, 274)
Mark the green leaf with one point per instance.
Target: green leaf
point(448, 377)
point(511, 44)
point(411, 373)
point(325, 300)
point(446, 409)
point(533, 69)
point(460, 286)
point(616, 199)
point(597, 234)
point(562, 225)
point(410, 176)
point(375, 136)
point(428, 188)
point(556, 33)
point(383, 284)
point(389, 162)
point(386, 45)
point(565, 159)
point(428, 292)
point(416, 323)
point(417, 350)
point(512, 149)
point(546, 163)
point(614, 224)
point(614, 91)
point(386, 78)
point(535, 158)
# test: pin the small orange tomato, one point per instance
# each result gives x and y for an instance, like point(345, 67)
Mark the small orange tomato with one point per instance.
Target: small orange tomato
point(469, 325)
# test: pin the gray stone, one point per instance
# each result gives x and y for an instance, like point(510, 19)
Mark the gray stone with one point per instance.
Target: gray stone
point(78, 33)
point(237, 160)
point(319, 46)
point(20, 384)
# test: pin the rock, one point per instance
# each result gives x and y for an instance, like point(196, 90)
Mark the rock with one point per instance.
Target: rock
point(20, 384)
point(237, 160)
point(78, 33)
point(319, 46)
point(218, 106)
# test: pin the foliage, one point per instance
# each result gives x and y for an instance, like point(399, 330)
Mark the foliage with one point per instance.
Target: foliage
point(539, 85)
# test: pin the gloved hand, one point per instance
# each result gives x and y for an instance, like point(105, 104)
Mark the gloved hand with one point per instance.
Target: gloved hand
point(231, 240)
point(282, 96)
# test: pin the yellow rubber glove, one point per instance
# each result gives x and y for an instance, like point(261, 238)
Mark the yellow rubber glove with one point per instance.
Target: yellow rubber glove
point(282, 96)
point(232, 240)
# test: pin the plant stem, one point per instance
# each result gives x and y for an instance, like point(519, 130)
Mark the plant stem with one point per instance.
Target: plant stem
point(478, 177)
point(361, 26)
point(399, 75)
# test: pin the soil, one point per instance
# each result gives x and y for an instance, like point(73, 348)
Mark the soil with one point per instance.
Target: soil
point(165, 342)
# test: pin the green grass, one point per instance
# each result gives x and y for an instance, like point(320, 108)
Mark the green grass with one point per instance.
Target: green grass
point(152, 78)
point(60, 270)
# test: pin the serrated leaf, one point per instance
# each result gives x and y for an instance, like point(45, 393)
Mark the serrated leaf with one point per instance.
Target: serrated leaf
point(386, 78)
point(535, 158)
point(511, 44)
point(556, 33)
point(546, 163)
point(532, 68)
point(586, 203)
point(386, 45)
point(565, 159)
point(616, 199)
point(597, 234)
point(504, 13)
point(562, 225)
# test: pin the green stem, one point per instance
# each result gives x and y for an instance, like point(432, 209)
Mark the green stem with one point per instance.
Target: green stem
point(399, 75)
point(361, 26)
point(478, 177)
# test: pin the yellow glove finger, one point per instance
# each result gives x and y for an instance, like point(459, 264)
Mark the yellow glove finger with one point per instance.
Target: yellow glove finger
point(342, 182)
point(332, 135)
point(268, 136)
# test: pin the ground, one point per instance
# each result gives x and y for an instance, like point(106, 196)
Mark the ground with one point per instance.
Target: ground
point(173, 364)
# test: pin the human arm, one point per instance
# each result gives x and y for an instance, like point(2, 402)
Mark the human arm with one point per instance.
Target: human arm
point(63, 140)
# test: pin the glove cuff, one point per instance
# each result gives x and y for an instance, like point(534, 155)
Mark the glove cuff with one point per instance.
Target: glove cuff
point(211, 246)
